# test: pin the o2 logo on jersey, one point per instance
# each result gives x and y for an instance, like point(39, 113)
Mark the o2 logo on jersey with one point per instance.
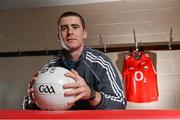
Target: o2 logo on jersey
point(46, 89)
point(139, 76)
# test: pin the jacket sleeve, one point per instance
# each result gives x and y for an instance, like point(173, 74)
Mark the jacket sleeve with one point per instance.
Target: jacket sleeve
point(27, 104)
point(110, 87)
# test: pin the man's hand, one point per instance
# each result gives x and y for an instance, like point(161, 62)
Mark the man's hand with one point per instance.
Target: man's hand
point(80, 89)
point(30, 90)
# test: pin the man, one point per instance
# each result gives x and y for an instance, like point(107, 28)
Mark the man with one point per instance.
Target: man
point(98, 85)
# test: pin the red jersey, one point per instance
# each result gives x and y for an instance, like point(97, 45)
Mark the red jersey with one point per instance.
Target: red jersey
point(140, 78)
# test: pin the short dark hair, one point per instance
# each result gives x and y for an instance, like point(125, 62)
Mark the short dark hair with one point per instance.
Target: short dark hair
point(66, 14)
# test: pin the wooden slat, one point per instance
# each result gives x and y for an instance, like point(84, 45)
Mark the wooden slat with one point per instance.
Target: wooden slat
point(109, 48)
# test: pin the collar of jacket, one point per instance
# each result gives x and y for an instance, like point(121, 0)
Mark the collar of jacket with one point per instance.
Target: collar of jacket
point(64, 58)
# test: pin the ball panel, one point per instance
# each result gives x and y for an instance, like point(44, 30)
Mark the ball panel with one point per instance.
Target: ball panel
point(59, 102)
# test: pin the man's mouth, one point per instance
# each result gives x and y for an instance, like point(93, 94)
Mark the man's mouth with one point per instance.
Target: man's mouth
point(71, 39)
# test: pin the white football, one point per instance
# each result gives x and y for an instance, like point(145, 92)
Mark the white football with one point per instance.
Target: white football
point(49, 91)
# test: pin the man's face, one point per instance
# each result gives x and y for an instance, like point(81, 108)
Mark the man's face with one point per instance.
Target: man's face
point(71, 32)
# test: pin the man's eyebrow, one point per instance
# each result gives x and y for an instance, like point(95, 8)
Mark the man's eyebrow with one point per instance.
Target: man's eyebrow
point(75, 25)
point(71, 25)
point(64, 25)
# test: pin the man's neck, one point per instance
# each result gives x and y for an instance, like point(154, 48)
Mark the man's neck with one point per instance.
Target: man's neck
point(74, 55)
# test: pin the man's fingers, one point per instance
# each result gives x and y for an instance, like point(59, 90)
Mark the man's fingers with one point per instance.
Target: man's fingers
point(73, 92)
point(72, 85)
point(31, 90)
point(76, 98)
point(74, 72)
point(71, 75)
point(31, 93)
point(68, 104)
point(32, 82)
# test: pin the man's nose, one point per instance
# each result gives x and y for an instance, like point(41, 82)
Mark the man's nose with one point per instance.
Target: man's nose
point(70, 31)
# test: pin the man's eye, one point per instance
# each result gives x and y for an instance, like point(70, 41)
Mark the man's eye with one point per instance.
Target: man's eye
point(63, 28)
point(75, 27)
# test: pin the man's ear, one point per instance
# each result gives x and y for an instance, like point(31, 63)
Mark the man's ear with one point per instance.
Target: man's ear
point(58, 35)
point(85, 34)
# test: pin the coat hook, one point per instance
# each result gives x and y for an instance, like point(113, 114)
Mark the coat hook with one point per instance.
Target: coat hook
point(170, 40)
point(46, 51)
point(135, 41)
point(19, 52)
point(102, 43)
